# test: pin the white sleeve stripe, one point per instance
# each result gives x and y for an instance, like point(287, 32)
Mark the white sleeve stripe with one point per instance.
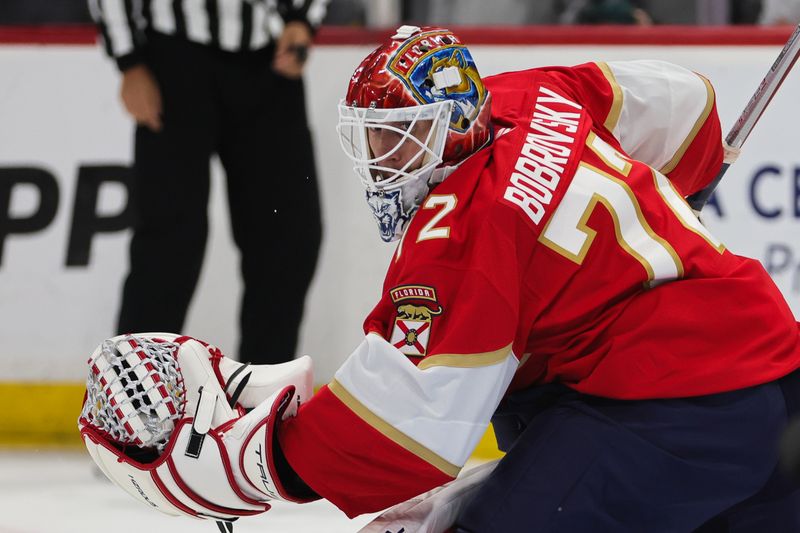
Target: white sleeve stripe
point(669, 167)
point(316, 12)
point(230, 27)
point(663, 107)
point(197, 24)
point(94, 10)
point(390, 432)
point(264, 25)
point(117, 27)
point(442, 409)
point(163, 18)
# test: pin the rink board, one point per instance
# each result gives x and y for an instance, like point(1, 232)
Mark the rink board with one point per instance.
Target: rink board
point(64, 137)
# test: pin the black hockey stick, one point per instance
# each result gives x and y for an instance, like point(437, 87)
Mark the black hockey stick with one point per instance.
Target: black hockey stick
point(753, 111)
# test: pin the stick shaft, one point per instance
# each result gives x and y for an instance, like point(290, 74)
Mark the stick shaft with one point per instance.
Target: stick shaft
point(753, 110)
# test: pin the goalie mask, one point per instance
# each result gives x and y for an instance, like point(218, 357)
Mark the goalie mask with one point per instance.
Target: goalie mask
point(415, 108)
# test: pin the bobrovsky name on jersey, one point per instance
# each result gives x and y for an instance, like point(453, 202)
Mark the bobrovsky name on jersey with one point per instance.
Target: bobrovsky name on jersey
point(544, 155)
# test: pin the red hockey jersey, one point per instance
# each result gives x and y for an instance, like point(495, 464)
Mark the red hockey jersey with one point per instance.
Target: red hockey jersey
point(564, 251)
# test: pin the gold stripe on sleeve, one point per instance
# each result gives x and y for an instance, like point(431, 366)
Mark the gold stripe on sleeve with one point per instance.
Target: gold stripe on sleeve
point(669, 167)
point(616, 105)
point(390, 432)
point(471, 360)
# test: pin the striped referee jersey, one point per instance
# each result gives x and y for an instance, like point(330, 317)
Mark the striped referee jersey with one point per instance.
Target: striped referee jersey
point(230, 25)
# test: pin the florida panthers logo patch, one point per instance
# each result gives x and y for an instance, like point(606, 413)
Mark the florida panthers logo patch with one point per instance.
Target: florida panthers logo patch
point(417, 307)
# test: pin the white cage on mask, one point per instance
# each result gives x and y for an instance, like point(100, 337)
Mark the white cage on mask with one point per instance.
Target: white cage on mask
point(355, 122)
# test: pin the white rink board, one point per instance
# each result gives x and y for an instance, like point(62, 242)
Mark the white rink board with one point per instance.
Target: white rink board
point(59, 111)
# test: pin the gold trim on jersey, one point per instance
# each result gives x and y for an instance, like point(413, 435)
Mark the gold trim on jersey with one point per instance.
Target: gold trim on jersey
point(390, 432)
point(466, 360)
point(583, 226)
point(616, 105)
point(399, 250)
point(592, 138)
point(670, 166)
point(718, 247)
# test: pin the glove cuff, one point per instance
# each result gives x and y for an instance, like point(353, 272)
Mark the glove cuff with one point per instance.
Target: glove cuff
point(259, 382)
point(260, 449)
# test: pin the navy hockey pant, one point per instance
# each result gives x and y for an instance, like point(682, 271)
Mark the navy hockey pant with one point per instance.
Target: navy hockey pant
point(578, 463)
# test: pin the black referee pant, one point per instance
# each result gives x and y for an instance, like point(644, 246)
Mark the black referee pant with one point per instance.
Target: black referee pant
point(231, 104)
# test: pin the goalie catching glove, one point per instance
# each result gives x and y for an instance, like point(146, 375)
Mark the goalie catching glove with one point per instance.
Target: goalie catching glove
point(188, 431)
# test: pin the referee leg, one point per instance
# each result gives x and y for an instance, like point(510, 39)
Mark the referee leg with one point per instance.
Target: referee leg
point(170, 193)
point(268, 159)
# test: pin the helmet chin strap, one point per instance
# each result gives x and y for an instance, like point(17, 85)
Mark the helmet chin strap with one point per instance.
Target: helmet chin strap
point(418, 191)
point(440, 174)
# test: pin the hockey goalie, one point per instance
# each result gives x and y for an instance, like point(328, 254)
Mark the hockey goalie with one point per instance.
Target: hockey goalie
point(548, 276)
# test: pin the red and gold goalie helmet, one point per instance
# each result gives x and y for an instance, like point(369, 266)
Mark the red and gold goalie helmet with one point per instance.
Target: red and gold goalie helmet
point(415, 108)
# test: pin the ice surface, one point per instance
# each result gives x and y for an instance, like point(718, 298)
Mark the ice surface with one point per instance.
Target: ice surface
point(49, 491)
